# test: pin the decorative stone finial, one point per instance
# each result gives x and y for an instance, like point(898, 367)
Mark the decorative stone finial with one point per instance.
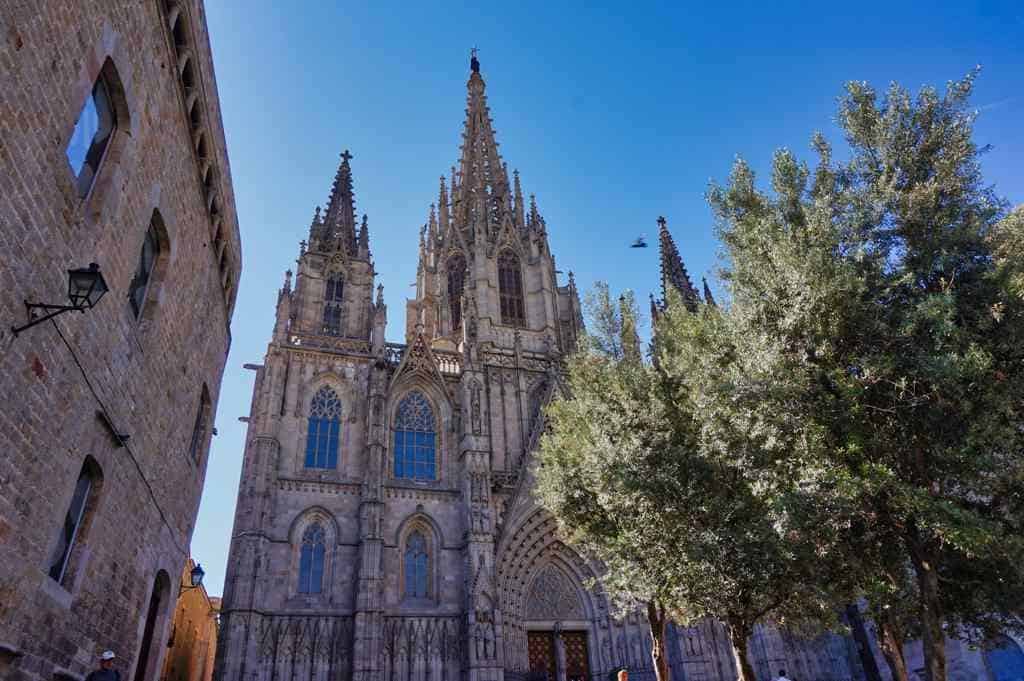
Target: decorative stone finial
point(474, 63)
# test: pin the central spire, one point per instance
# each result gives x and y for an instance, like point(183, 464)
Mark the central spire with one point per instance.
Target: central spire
point(673, 272)
point(339, 226)
point(482, 192)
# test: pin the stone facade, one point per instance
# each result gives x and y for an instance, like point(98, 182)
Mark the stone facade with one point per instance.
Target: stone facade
point(355, 555)
point(107, 415)
point(192, 643)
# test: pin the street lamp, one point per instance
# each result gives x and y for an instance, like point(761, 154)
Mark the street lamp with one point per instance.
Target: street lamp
point(196, 576)
point(85, 288)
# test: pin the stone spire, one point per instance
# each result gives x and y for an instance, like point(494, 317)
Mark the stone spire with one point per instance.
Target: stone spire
point(339, 229)
point(442, 210)
point(673, 272)
point(519, 208)
point(708, 298)
point(364, 238)
point(480, 196)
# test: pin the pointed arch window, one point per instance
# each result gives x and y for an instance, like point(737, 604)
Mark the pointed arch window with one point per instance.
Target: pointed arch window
point(334, 295)
point(416, 563)
point(415, 439)
point(510, 289)
point(311, 560)
point(71, 529)
point(323, 430)
point(456, 284)
point(95, 126)
point(145, 271)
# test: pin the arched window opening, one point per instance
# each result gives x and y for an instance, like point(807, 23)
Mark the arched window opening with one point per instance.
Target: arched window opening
point(415, 439)
point(334, 295)
point(180, 40)
point(536, 404)
point(188, 76)
point(200, 426)
point(74, 520)
point(510, 290)
point(456, 283)
point(311, 560)
point(157, 605)
point(416, 563)
point(96, 124)
point(194, 115)
point(144, 272)
point(324, 428)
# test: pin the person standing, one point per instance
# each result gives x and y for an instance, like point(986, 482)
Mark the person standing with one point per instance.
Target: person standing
point(106, 672)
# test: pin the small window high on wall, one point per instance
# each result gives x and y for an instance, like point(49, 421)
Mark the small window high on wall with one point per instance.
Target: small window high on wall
point(510, 290)
point(456, 283)
point(94, 128)
point(334, 296)
point(144, 271)
point(71, 526)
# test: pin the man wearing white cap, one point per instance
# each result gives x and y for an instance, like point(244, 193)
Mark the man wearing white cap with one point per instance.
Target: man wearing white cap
point(106, 672)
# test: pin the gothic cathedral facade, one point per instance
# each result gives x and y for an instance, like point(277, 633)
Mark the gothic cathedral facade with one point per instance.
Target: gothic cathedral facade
point(385, 529)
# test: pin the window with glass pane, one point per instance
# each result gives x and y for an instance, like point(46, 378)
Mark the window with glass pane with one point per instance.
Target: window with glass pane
point(311, 560)
point(415, 439)
point(72, 524)
point(144, 272)
point(456, 282)
point(93, 129)
point(510, 290)
point(333, 297)
point(416, 566)
point(324, 429)
point(200, 425)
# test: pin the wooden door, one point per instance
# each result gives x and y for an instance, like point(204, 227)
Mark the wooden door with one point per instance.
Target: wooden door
point(576, 665)
point(542, 655)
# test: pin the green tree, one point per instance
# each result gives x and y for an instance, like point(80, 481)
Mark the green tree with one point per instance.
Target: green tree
point(676, 520)
point(877, 329)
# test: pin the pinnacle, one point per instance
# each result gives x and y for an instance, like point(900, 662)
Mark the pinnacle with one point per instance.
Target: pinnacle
point(673, 271)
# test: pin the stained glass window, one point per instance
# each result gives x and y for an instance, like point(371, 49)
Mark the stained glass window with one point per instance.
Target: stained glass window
point(324, 429)
point(333, 297)
point(416, 566)
point(510, 290)
point(456, 282)
point(415, 439)
point(311, 560)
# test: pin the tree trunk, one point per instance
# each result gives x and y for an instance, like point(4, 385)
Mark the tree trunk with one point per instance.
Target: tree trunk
point(739, 633)
point(860, 635)
point(891, 642)
point(659, 652)
point(932, 636)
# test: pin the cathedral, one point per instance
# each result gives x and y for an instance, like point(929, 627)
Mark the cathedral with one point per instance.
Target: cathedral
point(385, 527)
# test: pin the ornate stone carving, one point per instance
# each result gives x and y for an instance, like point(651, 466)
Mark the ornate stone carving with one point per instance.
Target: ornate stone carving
point(474, 408)
point(553, 597)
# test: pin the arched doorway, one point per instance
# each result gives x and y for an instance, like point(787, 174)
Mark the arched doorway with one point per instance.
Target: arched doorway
point(1005, 660)
point(149, 653)
point(556, 628)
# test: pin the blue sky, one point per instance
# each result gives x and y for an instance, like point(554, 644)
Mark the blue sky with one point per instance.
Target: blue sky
point(613, 115)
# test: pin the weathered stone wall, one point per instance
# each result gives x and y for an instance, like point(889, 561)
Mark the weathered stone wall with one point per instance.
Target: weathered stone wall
point(144, 375)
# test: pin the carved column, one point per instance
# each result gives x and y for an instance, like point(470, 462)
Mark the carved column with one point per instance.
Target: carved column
point(369, 616)
point(485, 655)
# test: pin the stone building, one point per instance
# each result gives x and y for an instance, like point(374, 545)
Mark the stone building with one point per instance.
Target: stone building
point(192, 643)
point(111, 152)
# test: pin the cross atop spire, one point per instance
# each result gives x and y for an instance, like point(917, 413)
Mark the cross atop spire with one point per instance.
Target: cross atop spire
point(346, 156)
point(474, 63)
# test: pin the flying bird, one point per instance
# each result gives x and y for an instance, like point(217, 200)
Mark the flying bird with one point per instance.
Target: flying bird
point(640, 242)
